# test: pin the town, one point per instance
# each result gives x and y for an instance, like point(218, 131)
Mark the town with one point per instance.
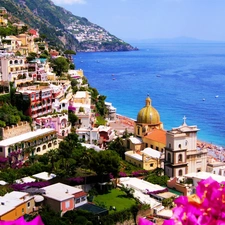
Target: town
point(67, 156)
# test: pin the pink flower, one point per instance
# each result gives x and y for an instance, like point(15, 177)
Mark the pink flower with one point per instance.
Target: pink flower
point(143, 221)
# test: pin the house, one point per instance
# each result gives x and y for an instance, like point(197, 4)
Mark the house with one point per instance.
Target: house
point(148, 159)
point(106, 134)
point(14, 69)
point(88, 134)
point(62, 198)
point(59, 122)
point(44, 176)
point(15, 204)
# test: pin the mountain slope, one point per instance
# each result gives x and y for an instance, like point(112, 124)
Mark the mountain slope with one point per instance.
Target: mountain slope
point(62, 28)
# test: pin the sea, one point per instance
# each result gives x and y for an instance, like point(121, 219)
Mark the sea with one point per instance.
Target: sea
point(182, 79)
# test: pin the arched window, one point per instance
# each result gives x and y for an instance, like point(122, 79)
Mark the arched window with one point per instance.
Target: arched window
point(180, 173)
point(168, 157)
point(180, 158)
point(44, 147)
point(10, 62)
point(49, 145)
point(179, 146)
point(63, 132)
point(38, 149)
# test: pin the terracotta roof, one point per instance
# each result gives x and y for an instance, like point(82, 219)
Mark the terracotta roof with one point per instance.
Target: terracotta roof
point(80, 194)
point(157, 135)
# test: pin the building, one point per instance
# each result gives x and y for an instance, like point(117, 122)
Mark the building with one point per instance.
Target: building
point(111, 111)
point(61, 96)
point(40, 98)
point(181, 153)
point(14, 69)
point(62, 198)
point(217, 168)
point(80, 105)
point(15, 205)
point(149, 138)
point(198, 176)
point(38, 142)
point(58, 122)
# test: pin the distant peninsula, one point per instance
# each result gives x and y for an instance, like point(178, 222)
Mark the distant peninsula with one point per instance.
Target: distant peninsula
point(63, 29)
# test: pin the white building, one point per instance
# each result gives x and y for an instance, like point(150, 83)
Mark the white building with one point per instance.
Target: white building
point(41, 141)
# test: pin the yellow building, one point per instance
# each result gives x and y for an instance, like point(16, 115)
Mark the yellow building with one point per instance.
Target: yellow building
point(16, 204)
point(146, 147)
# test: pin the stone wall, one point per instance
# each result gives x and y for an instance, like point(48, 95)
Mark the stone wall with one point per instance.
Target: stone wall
point(14, 130)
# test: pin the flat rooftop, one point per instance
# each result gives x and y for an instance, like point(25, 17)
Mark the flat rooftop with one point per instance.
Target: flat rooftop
point(25, 137)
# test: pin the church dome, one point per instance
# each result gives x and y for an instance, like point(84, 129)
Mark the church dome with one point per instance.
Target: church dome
point(148, 114)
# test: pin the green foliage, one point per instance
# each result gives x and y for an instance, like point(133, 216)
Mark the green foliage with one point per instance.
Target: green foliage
point(60, 65)
point(168, 202)
point(105, 162)
point(156, 179)
point(72, 118)
point(69, 52)
point(100, 120)
point(117, 145)
point(72, 66)
point(31, 56)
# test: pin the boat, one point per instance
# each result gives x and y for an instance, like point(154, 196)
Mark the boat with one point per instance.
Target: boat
point(203, 99)
point(216, 96)
point(158, 75)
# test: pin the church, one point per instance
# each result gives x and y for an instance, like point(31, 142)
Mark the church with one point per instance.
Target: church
point(153, 147)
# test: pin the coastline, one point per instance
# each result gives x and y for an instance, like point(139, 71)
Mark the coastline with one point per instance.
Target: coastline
point(216, 153)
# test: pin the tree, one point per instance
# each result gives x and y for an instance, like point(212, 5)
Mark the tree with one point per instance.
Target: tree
point(72, 118)
point(105, 162)
point(60, 65)
point(117, 145)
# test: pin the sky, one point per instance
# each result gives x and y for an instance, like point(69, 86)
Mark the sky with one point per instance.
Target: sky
point(153, 19)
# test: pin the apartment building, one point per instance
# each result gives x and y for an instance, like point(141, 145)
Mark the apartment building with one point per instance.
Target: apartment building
point(40, 100)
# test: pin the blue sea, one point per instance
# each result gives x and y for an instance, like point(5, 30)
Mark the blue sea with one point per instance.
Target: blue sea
point(181, 79)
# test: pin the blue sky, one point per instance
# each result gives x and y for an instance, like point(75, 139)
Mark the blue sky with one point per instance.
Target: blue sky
point(147, 19)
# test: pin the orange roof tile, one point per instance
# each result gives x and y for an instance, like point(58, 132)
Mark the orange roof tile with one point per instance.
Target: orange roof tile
point(157, 135)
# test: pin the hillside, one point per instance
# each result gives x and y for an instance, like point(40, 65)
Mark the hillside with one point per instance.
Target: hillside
point(62, 28)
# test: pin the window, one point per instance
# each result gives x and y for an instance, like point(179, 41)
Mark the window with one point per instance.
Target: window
point(1, 149)
point(38, 149)
point(151, 164)
point(169, 145)
point(83, 199)
point(157, 148)
point(151, 146)
point(179, 146)
point(77, 200)
point(180, 158)
point(44, 147)
point(67, 204)
point(22, 210)
point(28, 205)
point(180, 173)
point(168, 157)
point(138, 131)
point(146, 145)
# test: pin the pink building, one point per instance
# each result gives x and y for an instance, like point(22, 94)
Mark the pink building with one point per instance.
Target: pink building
point(59, 122)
